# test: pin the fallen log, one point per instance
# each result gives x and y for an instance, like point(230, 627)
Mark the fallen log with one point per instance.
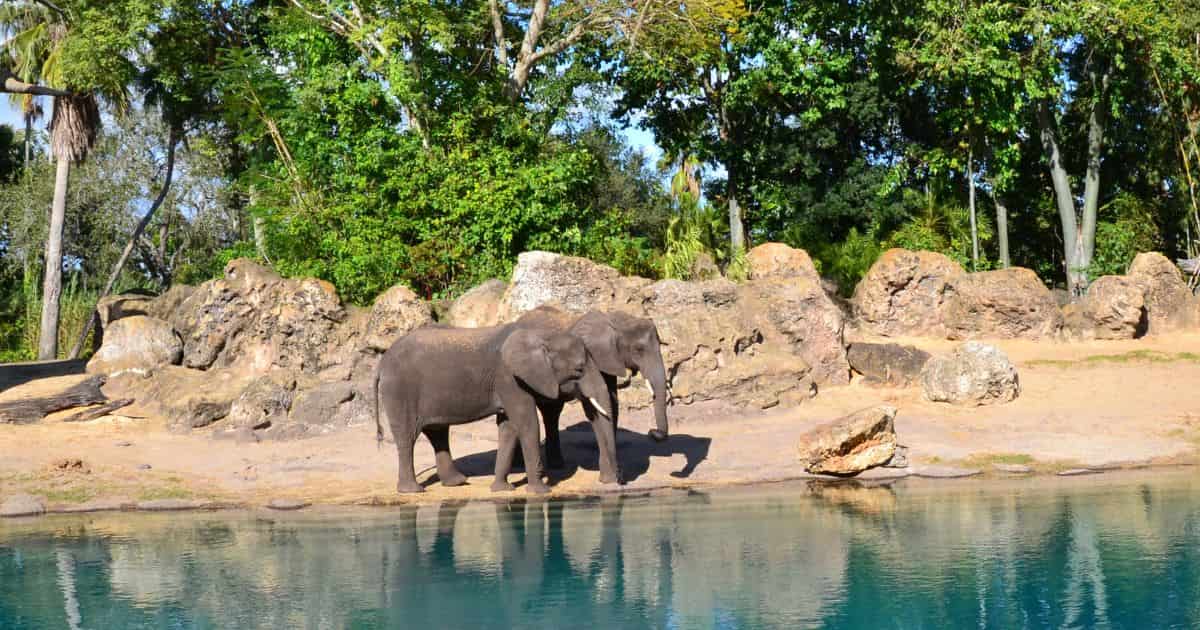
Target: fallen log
point(30, 410)
point(102, 410)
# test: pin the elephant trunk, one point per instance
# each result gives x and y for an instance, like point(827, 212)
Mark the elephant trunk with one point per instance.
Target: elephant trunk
point(656, 375)
point(595, 390)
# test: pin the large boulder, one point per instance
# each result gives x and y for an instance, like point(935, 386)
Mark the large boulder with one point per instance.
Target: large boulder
point(851, 444)
point(973, 374)
point(395, 312)
point(136, 343)
point(187, 399)
point(1114, 308)
point(478, 307)
point(258, 321)
point(796, 313)
point(778, 260)
point(1002, 304)
point(1168, 300)
point(887, 364)
point(904, 293)
point(110, 308)
point(574, 284)
point(264, 402)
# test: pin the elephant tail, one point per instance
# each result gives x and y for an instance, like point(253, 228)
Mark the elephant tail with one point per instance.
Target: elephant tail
point(375, 408)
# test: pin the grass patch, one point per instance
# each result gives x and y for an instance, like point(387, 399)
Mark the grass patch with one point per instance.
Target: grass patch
point(76, 494)
point(984, 460)
point(164, 492)
point(1133, 356)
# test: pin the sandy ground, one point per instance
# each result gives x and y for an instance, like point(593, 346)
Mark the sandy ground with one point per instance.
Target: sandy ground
point(1077, 409)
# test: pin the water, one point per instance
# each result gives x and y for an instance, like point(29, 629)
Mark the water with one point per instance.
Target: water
point(1119, 551)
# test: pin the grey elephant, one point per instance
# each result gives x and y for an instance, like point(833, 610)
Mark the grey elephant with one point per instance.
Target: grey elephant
point(618, 342)
point(437, 376)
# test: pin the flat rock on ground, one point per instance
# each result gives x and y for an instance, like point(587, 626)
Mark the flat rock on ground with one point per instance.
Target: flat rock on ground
point(22, 505)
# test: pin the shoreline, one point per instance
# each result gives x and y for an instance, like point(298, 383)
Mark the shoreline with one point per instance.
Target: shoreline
point(982, 480)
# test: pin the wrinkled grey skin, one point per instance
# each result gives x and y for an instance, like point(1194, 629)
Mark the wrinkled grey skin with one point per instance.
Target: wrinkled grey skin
point(618, 342)
point(437, 376)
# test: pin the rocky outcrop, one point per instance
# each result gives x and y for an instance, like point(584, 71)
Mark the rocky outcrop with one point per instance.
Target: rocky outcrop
point(1002, 304)
point(395, 312)
point(257, 321)
point(904, 293)
point(776, 260)
point(887, 364)
point(851, 444)
point(973, 374)
point(1114, 308)
point(136, 343)
point(573, 284)
point(795, 313)
point(263, 403)
point(1167, 298)
point(478, 307)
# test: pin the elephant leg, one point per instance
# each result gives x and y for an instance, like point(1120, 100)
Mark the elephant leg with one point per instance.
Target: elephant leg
point(606, 440)
point(405, 440)
point(527, 431)
point(505, 447)
point(551, 410)
point(439, 437)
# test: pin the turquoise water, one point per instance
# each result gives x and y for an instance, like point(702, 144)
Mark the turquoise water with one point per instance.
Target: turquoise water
point(1117, 551)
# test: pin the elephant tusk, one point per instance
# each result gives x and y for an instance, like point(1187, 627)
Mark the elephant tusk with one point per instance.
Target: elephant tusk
point(649, 387)
point(596, 404)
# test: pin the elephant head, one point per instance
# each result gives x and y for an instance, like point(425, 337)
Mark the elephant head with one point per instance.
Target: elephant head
point(556, 364)
point(619, 341)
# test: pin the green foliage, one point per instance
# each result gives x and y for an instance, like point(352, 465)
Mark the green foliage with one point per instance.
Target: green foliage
point(846, 262)
point(1126, 229)
point(695, 230)
point(945, 228)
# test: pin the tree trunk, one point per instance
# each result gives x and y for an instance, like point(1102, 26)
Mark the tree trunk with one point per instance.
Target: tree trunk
point(1001, 229)
point(971, 203)
point(52, 282)
point(1063, 199)
point(1091, 186)
point(737, 233)
point(133, 239)
point(28, 138)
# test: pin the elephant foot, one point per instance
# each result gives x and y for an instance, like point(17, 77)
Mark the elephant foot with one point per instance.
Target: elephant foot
point(657, 436)
point(537, 487)
point(456, 479)
point(502, 486)
point(608, 478)
point(405, 487)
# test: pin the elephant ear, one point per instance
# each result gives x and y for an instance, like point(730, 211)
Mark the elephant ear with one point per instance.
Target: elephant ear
point(602, 341)
point(525, 354)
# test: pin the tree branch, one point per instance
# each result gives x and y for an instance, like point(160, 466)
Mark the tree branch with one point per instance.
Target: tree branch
point(14, 85)
point(498, 32)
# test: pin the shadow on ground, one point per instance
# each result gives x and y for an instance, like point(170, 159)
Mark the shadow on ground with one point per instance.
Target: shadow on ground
point(634, 452)
point(13, 374)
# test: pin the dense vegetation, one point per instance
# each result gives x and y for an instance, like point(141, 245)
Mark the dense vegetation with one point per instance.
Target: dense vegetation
point(372, 142)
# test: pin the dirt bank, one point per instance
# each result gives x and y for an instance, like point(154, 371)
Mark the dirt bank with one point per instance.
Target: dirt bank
point(1095, 405)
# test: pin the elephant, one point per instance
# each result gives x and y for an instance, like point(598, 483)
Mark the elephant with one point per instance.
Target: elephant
point(437, 376)
point(618, 342)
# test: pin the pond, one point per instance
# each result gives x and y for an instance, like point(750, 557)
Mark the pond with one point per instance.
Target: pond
point(1119, 551)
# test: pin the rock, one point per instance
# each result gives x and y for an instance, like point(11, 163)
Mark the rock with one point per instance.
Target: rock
point(22, 505)
point(1015, 469)
point(170, 505)
point(187, 399)
point(164, 306)
point(771, 260)
point(395, 312)
point(852, 444)
point(796, 313)
point(257, 321)
point(110, 308)
point(478, 307)
point(1167, 298)
point(321, 404)
point(973, 374)
point(1114, 308)
point(703, 267)
point(1075, 472)
point(573, 284)
point(287, 504)
point(144, 467)
point(123, 443)
point(899, 459)
point(904, 292)
point(935, 471)
point(1002, 304)
point(264, 402)
point(137, 342)
point(889, 364)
